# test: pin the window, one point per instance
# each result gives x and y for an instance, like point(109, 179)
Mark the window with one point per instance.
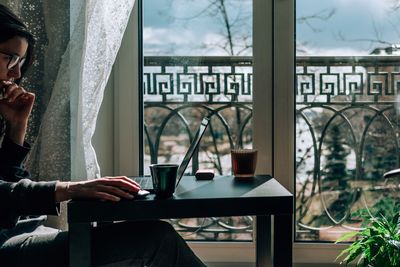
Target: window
point(123, 156)
point(347, 84)
point(274, 124)
point(198, 62)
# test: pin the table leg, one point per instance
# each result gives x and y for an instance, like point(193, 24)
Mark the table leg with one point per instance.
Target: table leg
point(80, 245)
point(283, 241)
point(263, 241)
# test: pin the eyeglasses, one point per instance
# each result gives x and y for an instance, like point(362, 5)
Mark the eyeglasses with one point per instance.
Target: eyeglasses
point(14, 60)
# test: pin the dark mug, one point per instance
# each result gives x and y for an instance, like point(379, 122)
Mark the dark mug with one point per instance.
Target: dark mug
point(164, 179)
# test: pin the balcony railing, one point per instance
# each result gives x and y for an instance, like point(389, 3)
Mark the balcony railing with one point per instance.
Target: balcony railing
point(346, 131)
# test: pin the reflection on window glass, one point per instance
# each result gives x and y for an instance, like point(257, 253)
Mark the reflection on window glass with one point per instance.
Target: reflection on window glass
point(347, 128)
point(198, 62)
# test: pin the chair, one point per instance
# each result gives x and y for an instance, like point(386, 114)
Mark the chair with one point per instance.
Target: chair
point(391, 174)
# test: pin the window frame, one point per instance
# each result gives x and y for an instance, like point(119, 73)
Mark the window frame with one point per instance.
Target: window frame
point(273, 118)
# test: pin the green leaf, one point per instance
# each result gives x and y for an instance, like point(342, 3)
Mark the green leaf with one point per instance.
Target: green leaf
point(352, 256)
point(395, 243)
point(353, 253)
point(348, 250)
point(346, 236)
point(378, 244)
point(396, 218)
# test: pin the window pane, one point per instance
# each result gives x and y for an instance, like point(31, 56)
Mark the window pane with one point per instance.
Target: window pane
point(198, 62)
point(347, 129)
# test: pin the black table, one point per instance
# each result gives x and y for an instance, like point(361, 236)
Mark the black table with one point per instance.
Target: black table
point(224, 196)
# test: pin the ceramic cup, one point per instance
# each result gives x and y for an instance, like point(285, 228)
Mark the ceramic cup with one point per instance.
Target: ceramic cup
point(164, 179)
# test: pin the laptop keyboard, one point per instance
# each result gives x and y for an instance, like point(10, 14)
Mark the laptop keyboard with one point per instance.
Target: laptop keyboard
point(145, 182)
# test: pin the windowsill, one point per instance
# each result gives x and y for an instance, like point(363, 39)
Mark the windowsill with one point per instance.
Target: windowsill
point(245, 251)
point(225, 251)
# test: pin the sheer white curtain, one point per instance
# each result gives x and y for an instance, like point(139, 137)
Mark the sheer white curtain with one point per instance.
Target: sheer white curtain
point(101, 30)
point(96, 31)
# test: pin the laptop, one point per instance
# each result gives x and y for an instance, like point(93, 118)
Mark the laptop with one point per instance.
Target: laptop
point(146, 182)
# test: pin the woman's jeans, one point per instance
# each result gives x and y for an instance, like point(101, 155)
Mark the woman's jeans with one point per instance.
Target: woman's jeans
point(145, 243)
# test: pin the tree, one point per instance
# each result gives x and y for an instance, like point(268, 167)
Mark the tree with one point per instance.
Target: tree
point(233, 21)
point(335, 174)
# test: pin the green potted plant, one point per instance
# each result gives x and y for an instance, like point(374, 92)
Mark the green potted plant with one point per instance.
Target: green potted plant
point(377, 245)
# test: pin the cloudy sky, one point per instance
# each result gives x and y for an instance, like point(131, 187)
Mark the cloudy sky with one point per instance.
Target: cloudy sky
point(324, 27)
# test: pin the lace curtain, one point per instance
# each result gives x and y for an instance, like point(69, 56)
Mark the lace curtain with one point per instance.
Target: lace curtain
point(77, 43)
point(101, 27)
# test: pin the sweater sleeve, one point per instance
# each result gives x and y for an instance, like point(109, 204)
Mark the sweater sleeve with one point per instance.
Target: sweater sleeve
point(11, 158)
point(12, 153)
point(18, 194)
point(26, 198)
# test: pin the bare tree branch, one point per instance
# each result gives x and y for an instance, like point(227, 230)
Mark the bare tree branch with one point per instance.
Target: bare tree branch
point(395, 28)
point(370, 40)
point(377, 32)
point(235, 40)
point(395, 5)
point(322, 15)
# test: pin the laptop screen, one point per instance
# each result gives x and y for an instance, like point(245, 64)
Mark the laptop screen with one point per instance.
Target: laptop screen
point(193, 146)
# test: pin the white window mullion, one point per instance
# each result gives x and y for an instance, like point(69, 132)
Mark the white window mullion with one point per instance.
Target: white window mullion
point(284, 67)
point(263, 83)
point(284, 123)
point(126, 85)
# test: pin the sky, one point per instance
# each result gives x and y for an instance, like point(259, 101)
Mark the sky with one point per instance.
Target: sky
point(178, 27)
point(348, 30)
point(331, 27)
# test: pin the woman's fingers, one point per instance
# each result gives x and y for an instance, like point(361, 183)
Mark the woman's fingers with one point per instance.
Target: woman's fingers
point(107, 188)
point(28, 96)
point(120, 183)
point(12, 91)
point(16, 103)
point(130, 181)
point(124, 178)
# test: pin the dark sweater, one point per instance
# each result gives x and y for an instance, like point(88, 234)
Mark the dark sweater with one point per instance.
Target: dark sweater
point(19, 196)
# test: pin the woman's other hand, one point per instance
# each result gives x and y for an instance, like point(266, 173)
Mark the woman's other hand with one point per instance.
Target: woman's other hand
point(15, 107)
point(106, 188)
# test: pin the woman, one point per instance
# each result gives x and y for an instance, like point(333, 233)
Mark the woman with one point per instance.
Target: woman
point(24, 241)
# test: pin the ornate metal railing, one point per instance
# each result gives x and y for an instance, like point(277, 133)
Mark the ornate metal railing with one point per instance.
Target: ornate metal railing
point(179, 91)
point(347, 137)
point(344, 105)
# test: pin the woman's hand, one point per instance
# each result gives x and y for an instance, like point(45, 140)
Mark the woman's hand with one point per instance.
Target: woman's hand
point(106, 188)
point(15, 107)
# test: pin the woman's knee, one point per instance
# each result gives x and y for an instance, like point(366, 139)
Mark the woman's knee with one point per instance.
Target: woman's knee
point(166, 230)
point(165, 227)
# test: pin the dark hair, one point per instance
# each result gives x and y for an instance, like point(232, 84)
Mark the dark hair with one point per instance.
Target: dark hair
point(11, 26)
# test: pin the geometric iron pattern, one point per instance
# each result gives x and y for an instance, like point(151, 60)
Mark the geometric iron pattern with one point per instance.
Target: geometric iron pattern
point(318, 80)
point(176, 79)
point(327, 80)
